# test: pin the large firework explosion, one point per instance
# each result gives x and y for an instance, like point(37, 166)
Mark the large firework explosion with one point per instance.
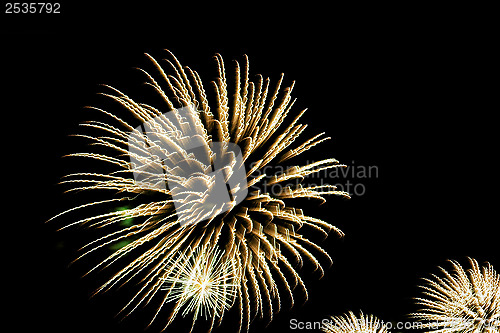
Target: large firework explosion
point(462, 300)
point(350, 323)
point(256, 244)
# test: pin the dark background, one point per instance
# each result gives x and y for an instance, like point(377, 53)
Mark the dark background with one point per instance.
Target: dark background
point(407, 90)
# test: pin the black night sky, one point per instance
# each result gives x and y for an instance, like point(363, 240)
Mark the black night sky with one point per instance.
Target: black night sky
point(408, 95)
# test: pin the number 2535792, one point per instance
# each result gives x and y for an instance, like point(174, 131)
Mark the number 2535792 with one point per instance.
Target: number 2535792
point(32, 7)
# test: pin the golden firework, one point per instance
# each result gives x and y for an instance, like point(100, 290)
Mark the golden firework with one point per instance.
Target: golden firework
point(202, 283)
point(350, 323)
point(258, 236)
point(461, 301)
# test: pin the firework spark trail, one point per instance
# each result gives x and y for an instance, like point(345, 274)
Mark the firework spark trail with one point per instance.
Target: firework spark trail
point(460, 300)
point(350, 323)
point(257, 235)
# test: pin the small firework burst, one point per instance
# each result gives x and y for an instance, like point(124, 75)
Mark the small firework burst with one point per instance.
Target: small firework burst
point(260, 233)
point(202, 282)
point(461, 301)
point(350, 323)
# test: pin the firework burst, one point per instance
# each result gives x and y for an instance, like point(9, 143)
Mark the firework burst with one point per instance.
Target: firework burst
point(259, 233)
point(202, 283)
point(350, 323)
point(462, 301)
